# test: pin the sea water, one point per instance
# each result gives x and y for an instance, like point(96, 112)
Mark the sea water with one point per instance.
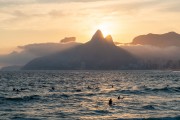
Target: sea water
point(54, 95)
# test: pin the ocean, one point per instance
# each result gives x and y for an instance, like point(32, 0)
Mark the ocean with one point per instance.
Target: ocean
point(84, 95)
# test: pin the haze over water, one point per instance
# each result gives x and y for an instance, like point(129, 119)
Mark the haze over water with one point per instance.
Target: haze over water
point(85, 95)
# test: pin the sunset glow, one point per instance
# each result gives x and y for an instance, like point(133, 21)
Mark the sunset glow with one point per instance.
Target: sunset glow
point(28, 21)
point(106, 28)
point(90, 59)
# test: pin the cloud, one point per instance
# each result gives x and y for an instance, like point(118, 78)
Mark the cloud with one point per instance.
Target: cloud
point(56, 13)
point(135, 6)
point(4, 3)
point(62, 1)
point(68, 39)
point(16, 58)
point(173, 8)
point(32, 51)
point(19, 16)
point(148, 52)
point(151, 57)
point(126, 18)
point(43, 49)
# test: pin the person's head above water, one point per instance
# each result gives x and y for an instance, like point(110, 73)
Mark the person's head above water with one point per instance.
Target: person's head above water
point(110, 102)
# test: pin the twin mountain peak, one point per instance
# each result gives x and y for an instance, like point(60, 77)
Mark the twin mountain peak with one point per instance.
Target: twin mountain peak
point(98, 39)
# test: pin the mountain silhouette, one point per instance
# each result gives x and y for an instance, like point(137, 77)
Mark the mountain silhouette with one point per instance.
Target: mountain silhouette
point(159, 40)
point(97, 54)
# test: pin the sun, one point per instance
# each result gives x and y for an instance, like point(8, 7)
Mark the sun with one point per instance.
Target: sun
point(105, 28)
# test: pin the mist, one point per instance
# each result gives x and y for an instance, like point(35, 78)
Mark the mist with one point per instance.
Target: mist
point(167, 57)
point(32, 51)
point(154, 53)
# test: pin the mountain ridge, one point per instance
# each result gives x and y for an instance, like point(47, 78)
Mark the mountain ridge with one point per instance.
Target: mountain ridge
point(159, 40)
point(98, 53)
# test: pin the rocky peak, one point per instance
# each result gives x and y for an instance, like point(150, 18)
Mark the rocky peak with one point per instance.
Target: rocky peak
point(98, 39)
point(109, 39)
point(97, 36)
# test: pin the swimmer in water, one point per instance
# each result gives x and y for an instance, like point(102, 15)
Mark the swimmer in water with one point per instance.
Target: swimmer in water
point(53, 88)
point(120, 97)
point(110, 102)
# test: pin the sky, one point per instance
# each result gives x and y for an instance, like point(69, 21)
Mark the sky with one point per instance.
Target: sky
point(39, 21)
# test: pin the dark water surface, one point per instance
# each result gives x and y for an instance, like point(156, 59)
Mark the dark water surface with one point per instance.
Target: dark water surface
point(85, 95)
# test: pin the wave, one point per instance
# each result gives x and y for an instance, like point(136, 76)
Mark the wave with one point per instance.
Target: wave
point(147, 90)
point(130, 91)
point(102, 112)
point(163, 118)
point(164, 89)
point(24, 98)
point(149, 107)
point(24, 118)
point(58, 96)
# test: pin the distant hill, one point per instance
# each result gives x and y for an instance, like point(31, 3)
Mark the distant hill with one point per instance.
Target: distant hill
point(159, 40)
point(11, 68)
point(99, 53)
